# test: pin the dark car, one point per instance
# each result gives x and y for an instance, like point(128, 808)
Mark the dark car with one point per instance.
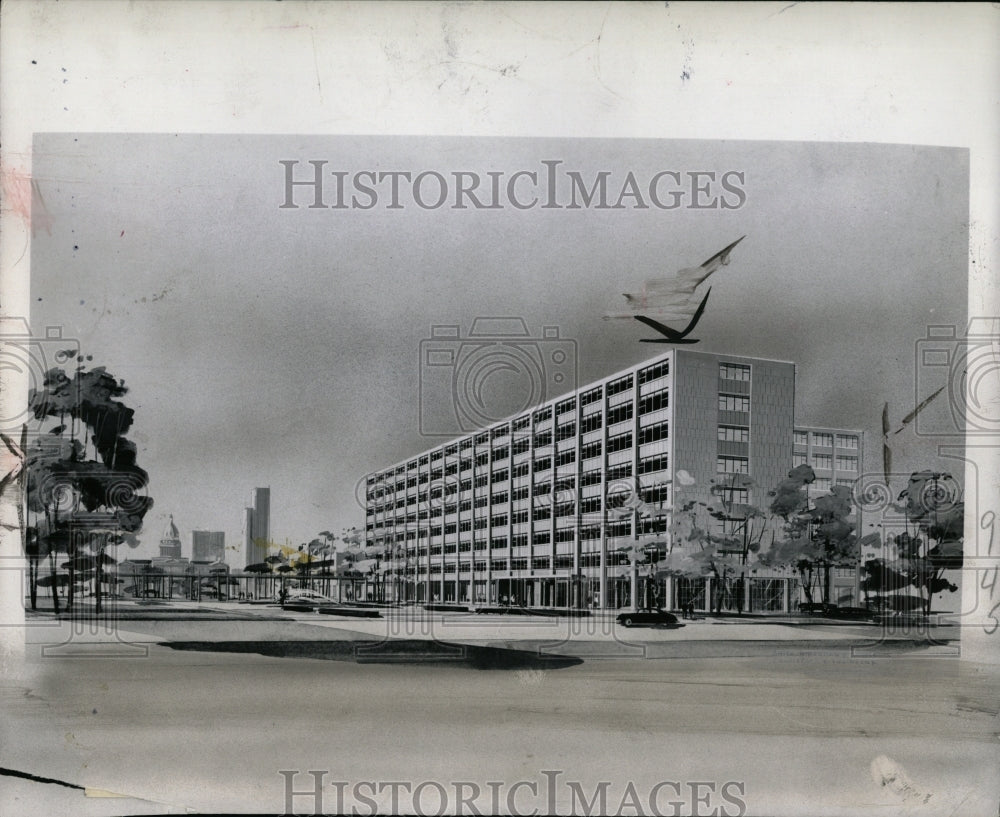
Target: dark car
point(853, 613)
point(817, 608)
point(646, 618)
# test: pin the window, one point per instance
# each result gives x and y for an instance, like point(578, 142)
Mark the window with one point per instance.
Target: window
point(734, 371)
point(501, 454)
point(649, 464)
point(499, 519)
point(592, 504)
point(591, 396)
point(732, 465)
point(847, 441)
point(566, 405)
point(845, 481)
point(541, 537)
point(482, 501)
point(621, 527)
point(590, 478)
point(521, 444)
point(734, 434)
point(652, 433)
point(566, 457)
point(655, 494)
point(654, 372)
point(541, 514)
point(520, 493)
point(519, 564)
point(500, 432)
point(521, 470)
point(823, 461)
point(800, 458)
point(620, 413)
point(563, 561)
point(543, 464)
point(566, 430)
point(621, 471)
point(590, 532)
point(821, 485)
point(565, 535)
point(734, 402)
point(499, 564)
point(543, 414)
point(500, 476)
point(734, 496)
point(620, 385)
point(521, 423)
point(591, 450)
point(591, 423)
point(619, 443)
point(801, 438)
point(496, 543)
point(543, 438)
point(519, 541)
point(519, 517)
point(499, 497)
point(540, 563)
point(847, 463)
point(654, 402)
point(825, 440)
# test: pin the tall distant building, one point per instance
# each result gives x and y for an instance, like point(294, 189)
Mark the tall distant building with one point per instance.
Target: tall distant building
point(258, 527)
point(208, 546)
point(170, 544)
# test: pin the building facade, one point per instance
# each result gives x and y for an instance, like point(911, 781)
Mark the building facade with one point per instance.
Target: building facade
point(208, 546)
point(836, 456)
point(540, 509)
point(257, 530)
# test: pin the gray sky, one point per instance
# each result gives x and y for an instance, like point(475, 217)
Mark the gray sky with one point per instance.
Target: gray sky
point(277, 347)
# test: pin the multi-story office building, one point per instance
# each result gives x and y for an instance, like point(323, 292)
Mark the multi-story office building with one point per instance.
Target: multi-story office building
point(257, 530)
point(538, 509)
point(208, 546)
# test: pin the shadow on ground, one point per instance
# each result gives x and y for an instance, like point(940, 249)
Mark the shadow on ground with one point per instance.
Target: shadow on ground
point(401, 651)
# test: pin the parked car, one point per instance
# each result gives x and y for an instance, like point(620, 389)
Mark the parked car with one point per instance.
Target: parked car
point(817, 608)
point(305, 600)
point(646, 618)
point(853, 613)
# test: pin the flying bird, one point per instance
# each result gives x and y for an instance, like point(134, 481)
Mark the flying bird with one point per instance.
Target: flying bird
point(673, 299)
point(673, 335)
point(886, 427)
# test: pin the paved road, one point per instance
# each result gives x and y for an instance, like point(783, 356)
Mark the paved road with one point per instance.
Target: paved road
point(792, 731)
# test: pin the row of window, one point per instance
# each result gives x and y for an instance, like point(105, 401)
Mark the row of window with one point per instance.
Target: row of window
point(823, 439)
point(826, 461)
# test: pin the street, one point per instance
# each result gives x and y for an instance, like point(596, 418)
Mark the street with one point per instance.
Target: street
point(795, 728)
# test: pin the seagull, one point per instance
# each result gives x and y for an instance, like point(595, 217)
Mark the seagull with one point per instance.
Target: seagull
point(673, 298)
point(886, 426)
point(673, 335)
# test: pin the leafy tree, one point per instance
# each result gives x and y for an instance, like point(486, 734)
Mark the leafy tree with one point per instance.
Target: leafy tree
point(931, 505)
point(62, 480)
point(817, 532)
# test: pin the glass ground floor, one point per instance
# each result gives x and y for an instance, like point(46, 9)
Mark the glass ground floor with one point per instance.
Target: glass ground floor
point(620, 590)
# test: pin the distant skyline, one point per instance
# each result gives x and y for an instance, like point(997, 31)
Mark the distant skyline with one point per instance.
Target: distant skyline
point(282, 347)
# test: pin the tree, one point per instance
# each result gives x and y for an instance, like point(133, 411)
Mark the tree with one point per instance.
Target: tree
point(62, 483)
point(931, 504)
point(817, 533)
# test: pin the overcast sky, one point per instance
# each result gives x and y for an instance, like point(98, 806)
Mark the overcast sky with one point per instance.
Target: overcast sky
point(280, 347)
